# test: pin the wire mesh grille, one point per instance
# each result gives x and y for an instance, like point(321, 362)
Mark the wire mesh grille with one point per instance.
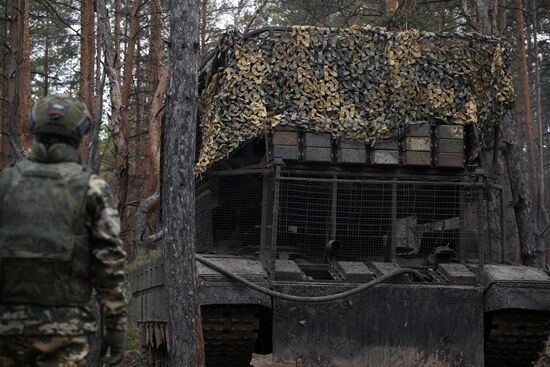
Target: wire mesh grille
point(228, 215)
point(380, 220)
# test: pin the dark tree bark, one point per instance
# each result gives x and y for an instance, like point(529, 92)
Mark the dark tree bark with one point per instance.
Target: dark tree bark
point(178, 186)
point(502, 14)
point(530, 253)
point(524, 100)
point(25, 76)
point(531, 256)
point(129, 66)
point(157, 86)
point(96, 128)
point(47, 59)
point(155, 121)
point(204, 9)
point(120, 145)
point(87, 65)
point(12, 71)
point(117, 33)
point(538, 104)
point(529, 239)
point(3, 85)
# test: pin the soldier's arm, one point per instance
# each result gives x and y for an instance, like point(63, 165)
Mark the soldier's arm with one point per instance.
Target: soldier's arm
point(108, 257)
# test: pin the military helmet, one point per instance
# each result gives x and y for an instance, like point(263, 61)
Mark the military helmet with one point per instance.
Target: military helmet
point(60, 115)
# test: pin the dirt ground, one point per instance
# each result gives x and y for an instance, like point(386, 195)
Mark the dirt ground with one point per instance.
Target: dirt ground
point(259, 360)
point(134, 359)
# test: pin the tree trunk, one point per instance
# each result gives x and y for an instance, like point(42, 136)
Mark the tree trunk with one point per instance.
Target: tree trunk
point(25, 76)
point(155, 98)
point(155, 123)
point(441, 17)
point(120, 146)
point(204, 8)
point(257, 12)
point(540, 147)
point(96, 128)
point(178, 186)
point(139, 172)
point(502, 15)
point(129, 66)
point(117, 36)
point(12, 71)
point(512, 155)
point(87, 63)
point(46, 90)
point(3, 86)
point(529, 241)
point(524, 104)
point(391, 7)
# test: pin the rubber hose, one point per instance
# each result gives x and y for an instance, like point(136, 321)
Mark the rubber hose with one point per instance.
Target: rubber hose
point(290, 297)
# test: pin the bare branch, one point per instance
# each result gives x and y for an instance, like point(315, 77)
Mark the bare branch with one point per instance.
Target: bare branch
point(255, 15)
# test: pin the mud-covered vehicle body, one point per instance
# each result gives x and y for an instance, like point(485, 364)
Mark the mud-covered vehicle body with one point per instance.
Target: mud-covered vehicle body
point(308, 210)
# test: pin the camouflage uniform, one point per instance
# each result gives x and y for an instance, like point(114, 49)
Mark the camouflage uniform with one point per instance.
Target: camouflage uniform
point(58, 335)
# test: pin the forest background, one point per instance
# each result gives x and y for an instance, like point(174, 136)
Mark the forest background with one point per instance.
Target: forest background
point(113, 55)
point(61, 46)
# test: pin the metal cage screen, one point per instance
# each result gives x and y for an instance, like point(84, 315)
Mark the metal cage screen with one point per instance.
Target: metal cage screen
point(228, 215)
point(380, 220)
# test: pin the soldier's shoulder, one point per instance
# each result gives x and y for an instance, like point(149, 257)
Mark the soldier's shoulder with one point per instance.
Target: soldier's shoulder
point(7, 171)
point(100, 191)
point(97, 186)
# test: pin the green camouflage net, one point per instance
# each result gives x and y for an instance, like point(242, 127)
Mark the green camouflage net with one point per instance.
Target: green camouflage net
point(361, 83)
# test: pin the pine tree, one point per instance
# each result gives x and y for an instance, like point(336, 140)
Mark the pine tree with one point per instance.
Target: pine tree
point(178, 186)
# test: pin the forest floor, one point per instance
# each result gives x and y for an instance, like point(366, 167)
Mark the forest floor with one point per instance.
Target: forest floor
point(134, 359)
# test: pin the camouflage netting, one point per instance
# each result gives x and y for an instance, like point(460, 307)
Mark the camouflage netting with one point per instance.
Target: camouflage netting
point(359, 83)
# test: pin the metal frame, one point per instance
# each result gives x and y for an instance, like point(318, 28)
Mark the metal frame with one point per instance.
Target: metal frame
point(275, 175)
point(283, 175)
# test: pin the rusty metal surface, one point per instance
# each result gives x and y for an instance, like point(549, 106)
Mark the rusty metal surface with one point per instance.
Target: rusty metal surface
point(211, 293)
point(317, 140)
point(386, 144)
point(527, 296)
point(415, 158)
point(515, 273)
point(515, 337)
point(418, 144)
point(455, 160)
point(385, 157)
point(450, 132)
point(288, 270)
point(390, 325)
point(351, 144)
point(457, 273)
point(357, 156)
point(248, 269)
point(516, 286)
point(317, 154)
point(355, 271)
point(286, 152)
point(230, 334)
point(420, 130)
point(450, 145)
point(285, 138)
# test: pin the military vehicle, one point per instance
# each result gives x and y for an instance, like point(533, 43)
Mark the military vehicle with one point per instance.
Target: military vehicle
point(328, 159)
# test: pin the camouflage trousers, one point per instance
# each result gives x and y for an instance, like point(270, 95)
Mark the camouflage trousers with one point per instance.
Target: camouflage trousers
point(43, 351)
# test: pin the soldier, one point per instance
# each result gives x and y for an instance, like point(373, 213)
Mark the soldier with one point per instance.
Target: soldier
point(59, 238)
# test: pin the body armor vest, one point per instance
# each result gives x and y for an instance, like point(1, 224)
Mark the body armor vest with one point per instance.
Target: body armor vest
point(44, 241)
